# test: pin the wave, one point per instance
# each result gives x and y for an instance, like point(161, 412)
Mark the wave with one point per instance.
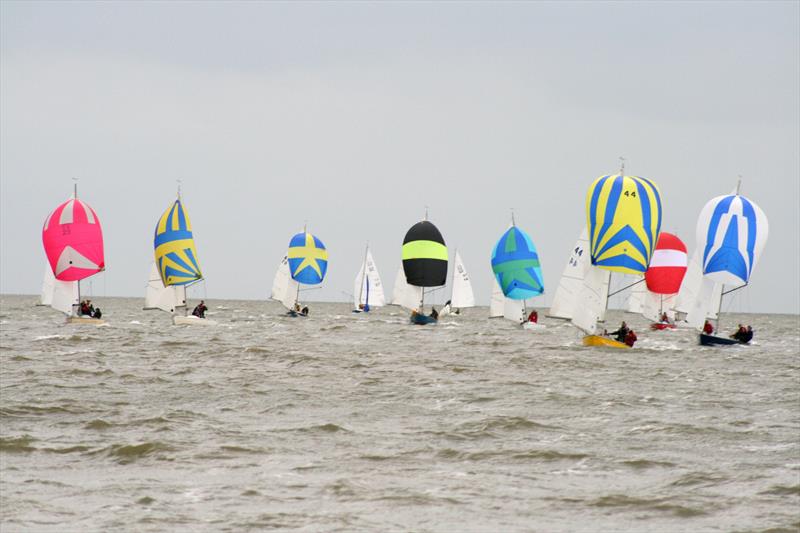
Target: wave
point(128, 453)
point(21, 444)
point(653, 504)
point(783, 490)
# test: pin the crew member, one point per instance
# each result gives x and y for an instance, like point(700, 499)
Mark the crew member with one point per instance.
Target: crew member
point(621, 332)
point(200, 309)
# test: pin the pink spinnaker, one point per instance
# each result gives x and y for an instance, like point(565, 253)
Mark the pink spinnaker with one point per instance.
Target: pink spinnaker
point(73, 241)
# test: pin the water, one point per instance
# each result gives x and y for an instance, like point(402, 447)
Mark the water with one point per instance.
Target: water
point(344, 422)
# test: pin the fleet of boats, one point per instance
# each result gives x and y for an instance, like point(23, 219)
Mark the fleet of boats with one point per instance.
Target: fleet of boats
point(622, 236)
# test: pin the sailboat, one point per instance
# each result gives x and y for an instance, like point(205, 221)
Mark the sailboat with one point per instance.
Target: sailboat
point(305, 263)
point(517, 274)
point(731, 232)
point(424, 264)
point(663, 279)
point(461, 295)
point(368, 289)
point(623, 220)
point(175, 266)
point(73, 242)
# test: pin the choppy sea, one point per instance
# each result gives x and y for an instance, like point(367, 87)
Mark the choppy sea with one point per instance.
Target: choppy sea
point(343, 422)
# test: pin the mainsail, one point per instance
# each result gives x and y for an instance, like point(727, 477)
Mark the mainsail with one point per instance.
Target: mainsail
point(463, 295)
point(571, 282)
point(284, 288)
point(157, 296)
point(367, 288)
point(403, 294)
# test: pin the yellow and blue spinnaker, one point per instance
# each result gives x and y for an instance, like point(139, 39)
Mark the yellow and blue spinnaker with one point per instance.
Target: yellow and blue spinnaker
point(624, 219)
point(175, 254)
point(308, 259)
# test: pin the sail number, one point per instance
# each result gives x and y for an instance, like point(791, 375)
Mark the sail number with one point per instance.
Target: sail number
point(630, 193)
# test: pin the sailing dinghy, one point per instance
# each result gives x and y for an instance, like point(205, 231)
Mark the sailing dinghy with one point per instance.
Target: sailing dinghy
point(517, 275)
point(424, 264)
point(305, 263)
point(731, 232)
point(175, 266)
point(623, 220)
point(368, 289)
point(73, 242)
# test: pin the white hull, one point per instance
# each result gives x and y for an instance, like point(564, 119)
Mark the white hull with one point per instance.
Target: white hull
point(192, 320)
point(85, 320)
point(533, 327)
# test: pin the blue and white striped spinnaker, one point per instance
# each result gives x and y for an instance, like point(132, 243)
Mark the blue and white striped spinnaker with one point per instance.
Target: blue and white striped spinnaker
point(731, 233)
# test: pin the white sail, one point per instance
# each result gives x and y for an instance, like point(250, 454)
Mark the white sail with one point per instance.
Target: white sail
point(65, 296)
point(462, 288)
point(571, 283)
point(157, 296)
point(592, 298)
point(636, 300)
point(284, 288)
point(497, 305)
point(368, 284)
point(514, 310)
point(48, 286)
point(404, 294)
point(687, 299)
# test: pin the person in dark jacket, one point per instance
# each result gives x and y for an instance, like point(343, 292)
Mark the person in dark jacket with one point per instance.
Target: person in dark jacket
point(621, 332)
point(200, 309)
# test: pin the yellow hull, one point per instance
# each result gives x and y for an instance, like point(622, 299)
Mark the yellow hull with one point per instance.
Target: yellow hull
point(597, 340)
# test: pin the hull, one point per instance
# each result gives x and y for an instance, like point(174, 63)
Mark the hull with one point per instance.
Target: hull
point(597, 340)
point(192, 320)
point(659, 326)
point(85, 320)
point(421, 320)
point(712, 340)
point(533, 326)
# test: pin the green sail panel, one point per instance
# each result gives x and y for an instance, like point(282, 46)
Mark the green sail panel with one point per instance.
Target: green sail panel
point(424, 256)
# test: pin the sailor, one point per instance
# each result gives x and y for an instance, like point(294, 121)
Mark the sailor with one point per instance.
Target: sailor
point(630, 338)
point(533, 317)
point(304, 311)
point(664, 318)
point(708, 329)
point(740, 334)
point(621, 332)
point(200, 309)
point(434, 313)
point(747, 336)
point(97, 313)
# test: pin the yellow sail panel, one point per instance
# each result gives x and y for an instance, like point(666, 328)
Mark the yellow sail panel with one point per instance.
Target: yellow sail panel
point(175, 254)
point(623, 214)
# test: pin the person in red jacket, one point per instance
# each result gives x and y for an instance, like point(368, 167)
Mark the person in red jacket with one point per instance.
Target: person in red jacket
point(630, 338)
point(708, 329)
point(533, 317)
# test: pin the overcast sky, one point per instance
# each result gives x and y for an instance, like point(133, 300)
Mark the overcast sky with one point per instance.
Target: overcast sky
point(355, 116)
